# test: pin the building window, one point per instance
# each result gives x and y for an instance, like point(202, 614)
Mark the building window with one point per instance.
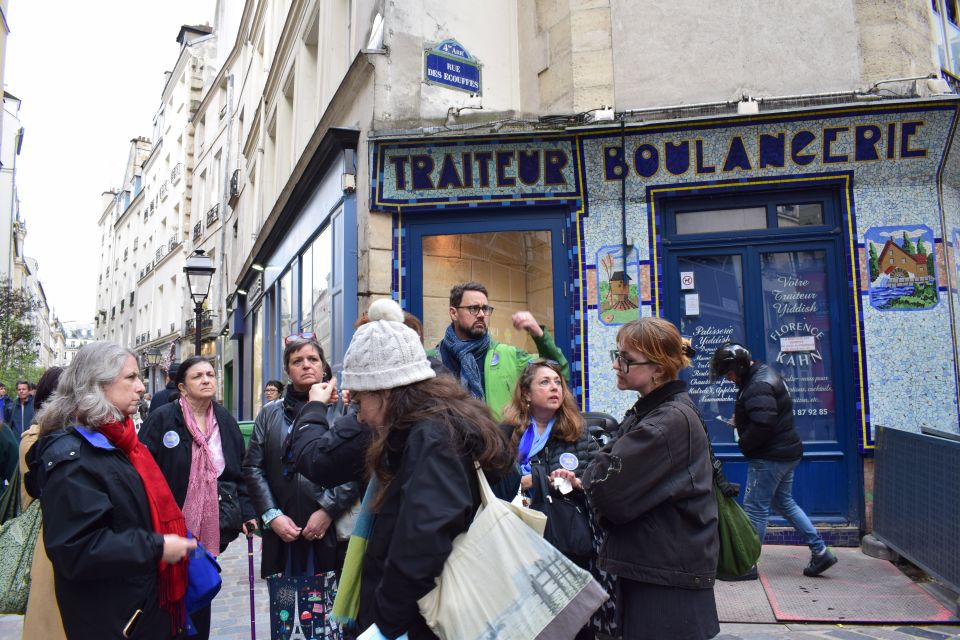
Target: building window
point(947, 34)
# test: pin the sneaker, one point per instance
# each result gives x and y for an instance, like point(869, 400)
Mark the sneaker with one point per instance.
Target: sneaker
point(820, 563)
point(751, 574)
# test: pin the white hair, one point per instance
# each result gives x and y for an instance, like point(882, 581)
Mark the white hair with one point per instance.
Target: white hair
point(79, 397)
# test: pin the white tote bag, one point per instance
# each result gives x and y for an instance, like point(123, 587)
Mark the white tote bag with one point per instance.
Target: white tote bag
point(503, 580)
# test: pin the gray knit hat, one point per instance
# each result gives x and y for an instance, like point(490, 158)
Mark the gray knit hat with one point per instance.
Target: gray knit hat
point(384, 353)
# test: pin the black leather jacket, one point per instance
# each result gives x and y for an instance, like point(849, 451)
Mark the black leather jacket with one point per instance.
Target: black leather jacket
point(764, 416)
point(653, 489)
point(272, 484)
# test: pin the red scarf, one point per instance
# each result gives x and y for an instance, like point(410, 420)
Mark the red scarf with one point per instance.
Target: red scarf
point(164, 513)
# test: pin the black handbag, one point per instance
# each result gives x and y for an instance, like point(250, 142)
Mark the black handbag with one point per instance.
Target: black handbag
point(231, 520)
point(568, 521)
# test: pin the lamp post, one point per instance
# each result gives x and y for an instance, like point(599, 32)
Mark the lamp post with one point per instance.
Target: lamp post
point(152, 359)
point(199, 270)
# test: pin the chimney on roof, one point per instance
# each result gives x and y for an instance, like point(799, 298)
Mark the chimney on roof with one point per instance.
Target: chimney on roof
point(189, 33)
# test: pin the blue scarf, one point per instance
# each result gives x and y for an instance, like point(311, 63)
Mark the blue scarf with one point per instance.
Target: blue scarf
point(531, 444)
point(465, 352)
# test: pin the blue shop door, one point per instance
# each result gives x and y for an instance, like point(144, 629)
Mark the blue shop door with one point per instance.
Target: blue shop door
point(787, 304)
point(521, 257)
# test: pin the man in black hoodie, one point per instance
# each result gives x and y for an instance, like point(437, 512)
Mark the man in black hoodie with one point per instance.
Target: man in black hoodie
point(162, 397)
point(763, 417)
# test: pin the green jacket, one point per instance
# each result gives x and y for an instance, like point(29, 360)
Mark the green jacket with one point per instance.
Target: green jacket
point(503, 365)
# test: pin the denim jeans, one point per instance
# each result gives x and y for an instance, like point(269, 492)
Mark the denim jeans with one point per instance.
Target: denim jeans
point(770, 485)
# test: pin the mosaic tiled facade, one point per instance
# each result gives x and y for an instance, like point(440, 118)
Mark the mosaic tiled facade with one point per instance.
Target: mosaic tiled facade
point(891, 164)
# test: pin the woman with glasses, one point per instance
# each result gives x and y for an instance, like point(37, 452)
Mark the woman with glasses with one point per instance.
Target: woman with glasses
point(548, 433)
point(296, 513)
point(653, 490)
point(272, 391)
point(199, 448)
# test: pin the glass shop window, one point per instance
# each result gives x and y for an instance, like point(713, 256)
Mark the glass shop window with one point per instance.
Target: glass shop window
point(316, 271)
point(514, 266)
point(257, 360)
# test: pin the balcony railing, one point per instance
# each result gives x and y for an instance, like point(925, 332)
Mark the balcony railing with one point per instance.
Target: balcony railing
point(213, 214)
point(173, 242)
point(176, 173)
point(164, 188)
point(208, 319)
point(197, 231)
point(234, 185)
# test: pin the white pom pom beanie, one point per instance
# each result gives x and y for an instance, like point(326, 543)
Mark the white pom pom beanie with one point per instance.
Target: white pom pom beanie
point(384, 353)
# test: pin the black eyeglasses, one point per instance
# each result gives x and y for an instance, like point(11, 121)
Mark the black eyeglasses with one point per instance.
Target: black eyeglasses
point(306, 335)
point(625, 363)
point(475, 309)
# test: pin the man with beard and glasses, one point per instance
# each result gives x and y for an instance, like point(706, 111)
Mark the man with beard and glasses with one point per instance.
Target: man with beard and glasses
point(487, 369)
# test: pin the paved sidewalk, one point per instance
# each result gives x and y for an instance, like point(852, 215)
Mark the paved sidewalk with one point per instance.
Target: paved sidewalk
point(231, 614)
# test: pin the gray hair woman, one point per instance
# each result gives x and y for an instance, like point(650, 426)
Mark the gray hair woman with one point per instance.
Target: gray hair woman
point(112, 530)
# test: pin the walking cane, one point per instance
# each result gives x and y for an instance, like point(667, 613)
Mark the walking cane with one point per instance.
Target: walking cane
point(253, 615)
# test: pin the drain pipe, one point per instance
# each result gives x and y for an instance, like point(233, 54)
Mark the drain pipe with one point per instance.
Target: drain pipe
point(623, 198)
point(225, 202)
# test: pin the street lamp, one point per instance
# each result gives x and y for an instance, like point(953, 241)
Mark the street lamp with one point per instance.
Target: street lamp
point(199, 270)
point(152, 358)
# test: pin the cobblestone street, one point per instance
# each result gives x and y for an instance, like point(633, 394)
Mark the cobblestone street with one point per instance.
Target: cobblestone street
point(231, 615)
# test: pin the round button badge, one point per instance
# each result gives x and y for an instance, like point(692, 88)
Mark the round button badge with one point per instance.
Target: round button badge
point(171, 439)
point(569, 461)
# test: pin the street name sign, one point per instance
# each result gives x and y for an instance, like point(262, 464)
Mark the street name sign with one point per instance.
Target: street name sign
point(449, 64)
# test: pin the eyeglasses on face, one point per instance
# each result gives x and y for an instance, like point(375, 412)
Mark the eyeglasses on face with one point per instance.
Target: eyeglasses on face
point(624, 363)
point(355, 400)
point(306, 335)
point(475, 309)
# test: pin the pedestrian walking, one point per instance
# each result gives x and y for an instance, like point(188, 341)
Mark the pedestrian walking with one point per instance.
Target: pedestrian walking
point(297, 514)
point(111, 527)
point(763, 418)
point(199, 449)
point(653, 489)
point(425, 432)
point(42, 618)
point(487, 368)
point(21, 413)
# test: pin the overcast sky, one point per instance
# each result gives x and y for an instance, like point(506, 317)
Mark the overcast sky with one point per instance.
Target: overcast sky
point(90, 75)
